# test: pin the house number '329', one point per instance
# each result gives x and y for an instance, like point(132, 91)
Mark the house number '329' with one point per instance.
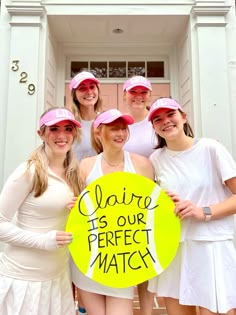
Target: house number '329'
point(23, 76)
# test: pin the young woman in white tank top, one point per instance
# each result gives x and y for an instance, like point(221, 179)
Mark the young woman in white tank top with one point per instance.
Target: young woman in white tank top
point(110, 133)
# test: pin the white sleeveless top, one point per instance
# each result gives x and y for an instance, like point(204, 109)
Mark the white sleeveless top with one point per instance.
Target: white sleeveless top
point(97, 172)
point(78, 278)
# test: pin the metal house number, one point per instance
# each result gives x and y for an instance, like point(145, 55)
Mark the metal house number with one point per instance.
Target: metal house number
point(23, 76)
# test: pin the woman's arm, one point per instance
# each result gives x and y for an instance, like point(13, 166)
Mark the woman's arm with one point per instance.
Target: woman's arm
point(228, 206)
point(14, 192)
point(186, 208)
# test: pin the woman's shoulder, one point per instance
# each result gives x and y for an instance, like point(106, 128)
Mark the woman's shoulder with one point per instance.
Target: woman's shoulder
point(138, 158)
point(142, 165)
point(157, 153)
point(22, 168)
point(88, 161)
point(22, 174)
point(85, 167)
point(211, 144)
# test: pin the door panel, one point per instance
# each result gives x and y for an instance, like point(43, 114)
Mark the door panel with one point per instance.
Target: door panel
point(112, 95)
point(109, 96)
point(158, 90)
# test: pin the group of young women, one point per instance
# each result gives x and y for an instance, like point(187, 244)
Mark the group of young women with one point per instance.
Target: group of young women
point(86, 143)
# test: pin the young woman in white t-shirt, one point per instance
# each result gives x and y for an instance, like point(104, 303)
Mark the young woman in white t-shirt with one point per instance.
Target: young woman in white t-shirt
point(137, 96)
point(203, 174)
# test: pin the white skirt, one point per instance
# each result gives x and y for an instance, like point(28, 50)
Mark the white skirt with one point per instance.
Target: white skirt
point(202, 274)
point(85, 283)
point(21, 297)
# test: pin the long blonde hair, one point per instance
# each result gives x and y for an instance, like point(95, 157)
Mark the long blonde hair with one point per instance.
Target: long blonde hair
point(39, 160)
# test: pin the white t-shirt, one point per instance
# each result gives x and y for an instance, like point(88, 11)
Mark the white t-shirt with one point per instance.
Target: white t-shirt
point(198, 174)
point(142, 138)
point(84, 148)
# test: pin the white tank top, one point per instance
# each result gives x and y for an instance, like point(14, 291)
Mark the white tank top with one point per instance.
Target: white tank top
point(96, 171)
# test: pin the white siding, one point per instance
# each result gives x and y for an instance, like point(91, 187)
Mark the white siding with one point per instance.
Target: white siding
point(185, 82)
point(51, 72)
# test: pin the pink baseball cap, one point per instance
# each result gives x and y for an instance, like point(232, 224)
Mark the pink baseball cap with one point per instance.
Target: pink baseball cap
point(164, 102)
point(137, 81)
point(111, 115)
point(57, 115)
point(80, 77)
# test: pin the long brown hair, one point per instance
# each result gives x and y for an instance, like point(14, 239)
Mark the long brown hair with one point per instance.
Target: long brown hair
point(161, 142)
point(75, 106)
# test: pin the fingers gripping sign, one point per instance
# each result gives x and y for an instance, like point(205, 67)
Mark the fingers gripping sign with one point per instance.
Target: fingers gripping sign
point(125, 226)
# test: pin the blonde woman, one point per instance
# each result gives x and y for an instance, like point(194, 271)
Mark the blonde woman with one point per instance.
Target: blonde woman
point(34, 277)
point(110, 133)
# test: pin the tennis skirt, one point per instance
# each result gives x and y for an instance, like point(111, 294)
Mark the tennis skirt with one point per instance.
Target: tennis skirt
point(201, 274)
point(85, 283)
point(51, 297)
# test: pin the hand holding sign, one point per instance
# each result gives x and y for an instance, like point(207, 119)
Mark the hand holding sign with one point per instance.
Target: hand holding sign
point(124, 226)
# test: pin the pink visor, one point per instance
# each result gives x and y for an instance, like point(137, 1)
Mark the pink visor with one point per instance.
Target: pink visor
point(137, 81)
point(55, 116)
point(110, 116)
point(80, 77)
point(164, 102)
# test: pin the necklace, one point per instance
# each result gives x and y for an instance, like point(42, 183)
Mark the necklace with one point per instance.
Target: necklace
point(110, 164)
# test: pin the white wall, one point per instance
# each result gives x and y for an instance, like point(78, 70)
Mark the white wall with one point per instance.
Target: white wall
point(23, 51)
point(211, 93)
point(185, 79)
point(51, 71)
point(231, 62)
point(4, 66)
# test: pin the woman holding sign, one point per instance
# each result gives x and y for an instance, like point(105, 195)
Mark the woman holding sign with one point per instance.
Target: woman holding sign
point(110, 133)
point(34, 277)
point(203, 174)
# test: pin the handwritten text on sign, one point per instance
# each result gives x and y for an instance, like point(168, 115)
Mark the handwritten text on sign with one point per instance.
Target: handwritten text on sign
point(124, 230)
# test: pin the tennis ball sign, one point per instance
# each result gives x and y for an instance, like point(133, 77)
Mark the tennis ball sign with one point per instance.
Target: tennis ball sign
point(124, 230)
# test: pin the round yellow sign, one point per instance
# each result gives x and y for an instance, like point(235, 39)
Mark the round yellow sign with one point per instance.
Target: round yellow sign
point(124, 230)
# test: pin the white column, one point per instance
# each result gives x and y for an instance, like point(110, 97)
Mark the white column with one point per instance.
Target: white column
point(25, 97)
point(213, 74)
point(210, 73)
